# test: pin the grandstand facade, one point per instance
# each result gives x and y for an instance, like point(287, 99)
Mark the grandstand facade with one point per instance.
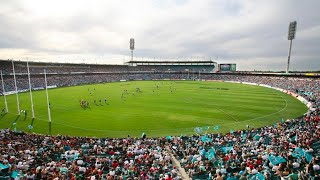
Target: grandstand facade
point(175, 66)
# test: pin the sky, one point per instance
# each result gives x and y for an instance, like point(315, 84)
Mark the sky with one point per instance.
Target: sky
point(250, 33)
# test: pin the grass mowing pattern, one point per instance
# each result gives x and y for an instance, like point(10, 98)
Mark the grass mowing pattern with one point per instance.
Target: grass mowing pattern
point(174, 108)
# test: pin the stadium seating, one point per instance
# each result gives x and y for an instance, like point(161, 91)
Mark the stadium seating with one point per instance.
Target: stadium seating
point(243, 154)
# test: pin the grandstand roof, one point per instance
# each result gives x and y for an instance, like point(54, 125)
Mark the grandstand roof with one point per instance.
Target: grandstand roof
point(172, 61)
point(59, 63)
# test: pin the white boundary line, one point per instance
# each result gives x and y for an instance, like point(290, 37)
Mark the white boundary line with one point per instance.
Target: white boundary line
point(190, 128)
point(248, 120)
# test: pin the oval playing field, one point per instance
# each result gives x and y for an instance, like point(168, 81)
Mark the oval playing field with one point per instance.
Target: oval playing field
point(159, 108)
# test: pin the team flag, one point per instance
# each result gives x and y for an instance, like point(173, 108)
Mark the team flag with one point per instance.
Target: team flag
point(217, 127)
point(227, 149)
point(231, 131)
point(244, 137)
point(257, 177)
point(2, 166)
point(169, 138)
point(198, 130)
point(276, 159)
point(293, 139)
point(282, 120)
point(297, 155)
point(211, 154)
point(205, 138)
point(257, 137)
point(203, 152)
point(299, 152)
point(206, 128)
point(14, 174)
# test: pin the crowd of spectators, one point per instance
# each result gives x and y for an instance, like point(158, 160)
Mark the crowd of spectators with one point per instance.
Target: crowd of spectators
point(245, 154)
point(31, 156)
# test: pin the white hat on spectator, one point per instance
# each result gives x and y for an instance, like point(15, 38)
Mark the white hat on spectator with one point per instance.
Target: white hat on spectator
point(254, 171)
point(80, 162)
point(296, 165)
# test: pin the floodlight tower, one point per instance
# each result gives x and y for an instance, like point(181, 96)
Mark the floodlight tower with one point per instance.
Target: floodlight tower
point(131, 47)
point(291, 36)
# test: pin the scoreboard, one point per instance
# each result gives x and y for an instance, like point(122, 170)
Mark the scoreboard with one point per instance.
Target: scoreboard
point(227, 67)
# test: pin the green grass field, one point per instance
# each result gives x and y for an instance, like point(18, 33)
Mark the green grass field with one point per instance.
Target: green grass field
point(155, 111)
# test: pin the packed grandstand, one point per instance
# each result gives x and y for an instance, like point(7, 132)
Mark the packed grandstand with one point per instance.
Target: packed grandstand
point(288, 151)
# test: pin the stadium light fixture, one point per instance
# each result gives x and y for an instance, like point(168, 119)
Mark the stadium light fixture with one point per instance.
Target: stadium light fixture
point(131, 47)
point(291, 35)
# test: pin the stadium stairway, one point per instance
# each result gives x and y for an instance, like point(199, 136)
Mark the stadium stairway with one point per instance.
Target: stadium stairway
point(181, 171)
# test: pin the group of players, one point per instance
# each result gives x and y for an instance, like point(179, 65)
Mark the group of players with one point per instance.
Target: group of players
point(99, 102)
point(126, 92)
point(85, 104)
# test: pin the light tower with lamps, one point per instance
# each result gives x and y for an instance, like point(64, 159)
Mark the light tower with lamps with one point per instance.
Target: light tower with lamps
point(131, 47)
point(291, 36)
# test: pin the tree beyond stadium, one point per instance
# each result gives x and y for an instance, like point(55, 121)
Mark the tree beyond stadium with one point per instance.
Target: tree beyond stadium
point(160, 108)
